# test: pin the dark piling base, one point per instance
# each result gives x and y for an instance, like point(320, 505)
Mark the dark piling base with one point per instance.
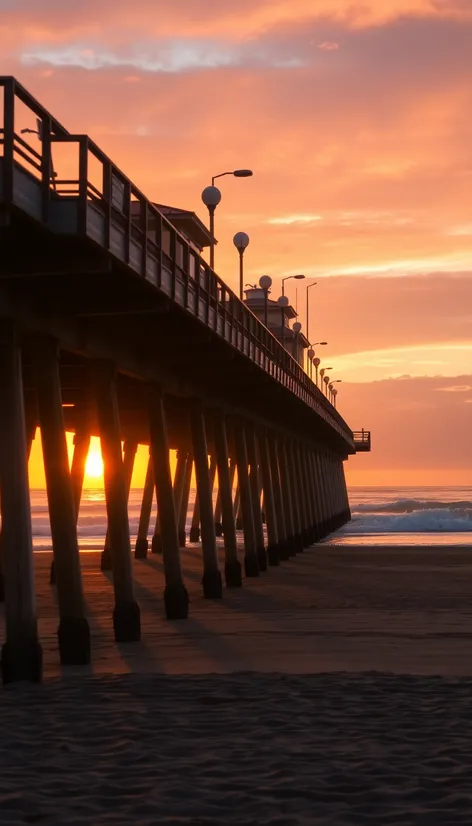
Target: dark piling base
point(182, 539)
point(263, 518)
point(127, 621)
point(218, 528)
point(74, 641)
point(105, 560)
point(52, 574)
point(233, 574)
point(273, 556)
point(212, 584)
point(284, 551)
point(262, 559)
point(251, 566)
point(176, 601)
point(239, 523)
point(156, 544)
point(141, 548)
point(299, 543)
point(194, 535)
point(22, 663)
point(2, 588)
point(292, 546)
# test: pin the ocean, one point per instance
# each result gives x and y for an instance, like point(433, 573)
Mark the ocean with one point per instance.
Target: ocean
point(380, 516)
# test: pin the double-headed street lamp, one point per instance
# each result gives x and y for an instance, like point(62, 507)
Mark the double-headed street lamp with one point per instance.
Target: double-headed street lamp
point(211, 197)
point(332, 389)
point(311, 354)
point(324, 378)
point(241, 241)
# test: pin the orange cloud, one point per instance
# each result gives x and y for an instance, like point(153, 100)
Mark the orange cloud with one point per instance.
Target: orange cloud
point(361, 157)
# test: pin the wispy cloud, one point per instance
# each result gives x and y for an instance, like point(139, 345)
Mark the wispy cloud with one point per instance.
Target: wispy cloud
point(287, 220)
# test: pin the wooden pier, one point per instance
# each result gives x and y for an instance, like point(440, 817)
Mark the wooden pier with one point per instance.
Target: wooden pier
point(111, 324)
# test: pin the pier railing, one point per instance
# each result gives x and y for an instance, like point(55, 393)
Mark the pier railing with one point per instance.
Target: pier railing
point(87, 194)
point(362, 440)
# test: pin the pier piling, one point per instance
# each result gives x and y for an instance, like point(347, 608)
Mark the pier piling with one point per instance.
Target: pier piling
point(73, 632)
point(141, 547)
point(176, 599)
point(273, 554)
point(21, 657)
point(233, 576)
point(126, 614)
point(211, 581)
point(251, 564)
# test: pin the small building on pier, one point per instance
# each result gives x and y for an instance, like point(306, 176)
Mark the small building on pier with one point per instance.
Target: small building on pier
point(278, 321)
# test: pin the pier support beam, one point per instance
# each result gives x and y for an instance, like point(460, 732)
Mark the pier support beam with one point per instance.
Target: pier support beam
point(307, 493)
point(211, 581)
point(324, 502)
point(251, 565)
point(195, 526)
point(233, 575)
point(317, 504)
point(141, 547)
point(273, 556)
point(255, 485)
point(297, 504)
point(175, 594)
point(30, 425)
point(285, 480)
point(129, 455)
point(218, 519)
point(73, 633)
point(21, 657)
point(126, 614)
point(184, 502)
point(79, 459)
point(179, 482)
point(278, 495)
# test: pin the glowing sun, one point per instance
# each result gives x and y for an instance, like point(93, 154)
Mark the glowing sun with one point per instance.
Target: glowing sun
point(94, 465)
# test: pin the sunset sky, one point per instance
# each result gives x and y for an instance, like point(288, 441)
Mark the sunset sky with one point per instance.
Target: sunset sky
point(356, 119)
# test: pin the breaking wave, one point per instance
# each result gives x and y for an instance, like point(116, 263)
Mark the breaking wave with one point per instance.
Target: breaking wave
point(411, 516)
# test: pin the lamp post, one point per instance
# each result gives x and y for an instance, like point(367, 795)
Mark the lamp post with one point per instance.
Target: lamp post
point(332, 387)
point(335, 393)
point(316, 362)
point(310, 356)
point(314, 344)
point(241, 241)
point(313, 284)
point(322, 375)
point(265, 283)
point(296, 329)
point(288, 277)
point(326, 382)
point(283, 302)
point(238, 173)
point(211, 197)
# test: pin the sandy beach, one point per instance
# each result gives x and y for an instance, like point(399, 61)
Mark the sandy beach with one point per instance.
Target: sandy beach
point(336, 689)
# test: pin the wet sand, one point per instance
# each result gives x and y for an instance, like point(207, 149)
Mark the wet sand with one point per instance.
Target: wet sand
point(274, 705)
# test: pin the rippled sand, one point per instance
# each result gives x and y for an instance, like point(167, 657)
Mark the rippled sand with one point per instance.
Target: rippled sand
point(191, 737)
point(246, 748)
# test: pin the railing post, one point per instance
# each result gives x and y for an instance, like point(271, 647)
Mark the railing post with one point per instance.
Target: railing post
point(8, 138)
point(83, 182)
